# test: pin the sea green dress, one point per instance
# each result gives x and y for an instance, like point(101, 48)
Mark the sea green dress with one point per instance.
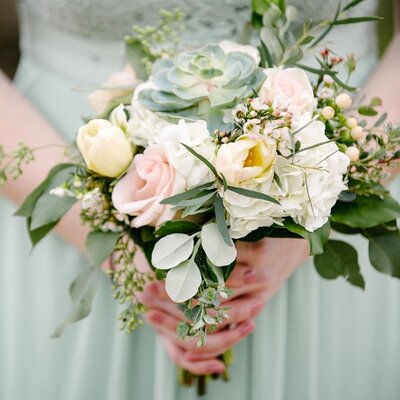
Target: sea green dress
point(316, 340)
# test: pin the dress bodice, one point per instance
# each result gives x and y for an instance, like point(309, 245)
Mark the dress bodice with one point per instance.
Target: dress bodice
point(65, 34)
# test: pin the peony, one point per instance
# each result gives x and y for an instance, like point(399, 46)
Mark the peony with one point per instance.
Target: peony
point(119, 84)
point(194, 135)
point(230, 47)
point(104, 148)
point(150, 179)
point(250, 159)
point(289, 89)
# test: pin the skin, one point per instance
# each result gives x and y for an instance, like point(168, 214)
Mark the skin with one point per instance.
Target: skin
point(262, 267)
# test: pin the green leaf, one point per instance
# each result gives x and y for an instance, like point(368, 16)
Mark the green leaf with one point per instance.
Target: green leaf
point(381, 120)
point(49, 209)
point(177, 226)
point(352, 4)
point(316, 239)
point(344, 229)
point(356, 20)
point(100, 245)
point(384, 253)
point(134, 55)
point(328, 28)
point(306, 40)
point(366, 211)
point(187, 195)
point(182, 330)
point(36, 235)
point(315, 70)
point(368, 111)
point(201, 158)
point(266, 55)
point(199, 199)
point(339, 259)
point(253, 194)
point(56, 176)
point(335, 78)
point(82, 291)
point(220, 219)
point(260, 6)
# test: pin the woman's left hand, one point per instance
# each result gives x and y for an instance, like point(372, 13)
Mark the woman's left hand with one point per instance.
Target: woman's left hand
point(261, 269)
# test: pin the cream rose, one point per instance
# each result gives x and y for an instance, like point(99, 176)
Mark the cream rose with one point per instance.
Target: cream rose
point(117, 85)
point(251, 157)
point(289, 89)
point(150, 179)
point(104, 148)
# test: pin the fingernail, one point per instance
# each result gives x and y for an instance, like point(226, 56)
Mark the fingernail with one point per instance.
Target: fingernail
point(217, 368)
point(247, 327)
point(156, 317)
point(249, 275)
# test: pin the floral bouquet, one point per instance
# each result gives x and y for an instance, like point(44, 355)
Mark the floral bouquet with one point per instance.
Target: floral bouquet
point(202, 147)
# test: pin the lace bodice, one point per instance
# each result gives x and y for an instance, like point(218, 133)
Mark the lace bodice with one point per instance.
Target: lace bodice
point(62, 34)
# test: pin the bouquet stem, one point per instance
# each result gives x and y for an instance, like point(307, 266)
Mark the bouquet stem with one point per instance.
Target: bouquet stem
point(188, 379)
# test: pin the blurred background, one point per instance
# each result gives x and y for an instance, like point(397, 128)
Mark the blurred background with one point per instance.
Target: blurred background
point(9, 31)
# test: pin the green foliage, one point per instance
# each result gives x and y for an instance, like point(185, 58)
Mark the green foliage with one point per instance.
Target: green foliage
point(339, 259)
point(82, 292)
point(366, 211)
point(177, 226)
point(100, 245)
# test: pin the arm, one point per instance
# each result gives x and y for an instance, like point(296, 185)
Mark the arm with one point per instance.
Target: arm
point(20, 122)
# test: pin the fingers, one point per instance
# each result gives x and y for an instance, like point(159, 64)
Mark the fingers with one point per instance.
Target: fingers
point(216, 343)
point(155, 297)
point(200, 367)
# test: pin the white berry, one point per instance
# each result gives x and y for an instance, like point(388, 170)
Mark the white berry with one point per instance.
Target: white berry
point(351, 122)
point(353, 153)
point(328, 112)
point(357, 132)
point(343, 100)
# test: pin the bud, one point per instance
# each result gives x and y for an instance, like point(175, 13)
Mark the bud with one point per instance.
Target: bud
point(118, 117)
point(328, 112)
point(351, 122)
point(357, 132)
point(328, 79)
point(104, 148)
point(353, 153)
point(343, 100)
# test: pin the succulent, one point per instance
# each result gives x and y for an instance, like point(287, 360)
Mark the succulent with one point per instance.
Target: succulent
point(202, 83)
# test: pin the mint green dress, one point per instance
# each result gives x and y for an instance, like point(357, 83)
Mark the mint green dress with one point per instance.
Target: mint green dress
point(316, 340)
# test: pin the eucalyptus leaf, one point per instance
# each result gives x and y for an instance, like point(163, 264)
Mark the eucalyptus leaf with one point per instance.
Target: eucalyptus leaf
point(217, 250)
point(253, 194)
point(220, 219)
point(82, 292)
point(183, 282)
point(100, 245)
point(36, 235)
point(172, 250)
point(187, 195)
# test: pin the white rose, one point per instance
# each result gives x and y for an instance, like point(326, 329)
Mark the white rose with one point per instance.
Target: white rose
point(230, 47)
point(117, 85)
point(251, 158)
point(143, 125)
point(104, 148)
point(196, 136)
point(289, 89)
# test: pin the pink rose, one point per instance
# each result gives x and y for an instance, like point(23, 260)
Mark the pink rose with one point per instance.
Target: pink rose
point(289, 88)
point(150, 179)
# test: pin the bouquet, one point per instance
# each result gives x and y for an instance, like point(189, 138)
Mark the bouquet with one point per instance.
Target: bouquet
point(195, 149)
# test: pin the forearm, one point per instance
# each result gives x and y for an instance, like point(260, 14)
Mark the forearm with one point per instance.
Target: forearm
point(20, 122)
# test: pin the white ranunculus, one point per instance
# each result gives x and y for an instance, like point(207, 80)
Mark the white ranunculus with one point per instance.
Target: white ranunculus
point(289, 89)
point(196, 136)
point(104, 148)
point(143, 125)
point(230, 47)
point(312, 183)
point(250, 159)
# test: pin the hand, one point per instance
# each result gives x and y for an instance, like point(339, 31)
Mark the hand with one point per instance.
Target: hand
point(261, 270)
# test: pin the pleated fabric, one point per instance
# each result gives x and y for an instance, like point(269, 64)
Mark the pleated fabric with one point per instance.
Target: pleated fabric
point(316, 340)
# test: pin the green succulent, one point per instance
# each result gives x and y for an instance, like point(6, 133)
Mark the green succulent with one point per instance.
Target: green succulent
point(202, 83)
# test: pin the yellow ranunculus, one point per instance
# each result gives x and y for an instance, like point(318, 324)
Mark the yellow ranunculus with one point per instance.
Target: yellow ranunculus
point(251, 157)
point(104, 148)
